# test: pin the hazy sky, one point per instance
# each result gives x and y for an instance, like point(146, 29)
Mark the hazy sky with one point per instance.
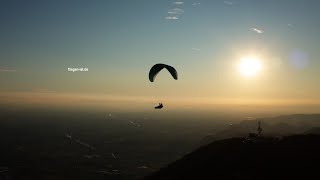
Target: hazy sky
point(119, 41)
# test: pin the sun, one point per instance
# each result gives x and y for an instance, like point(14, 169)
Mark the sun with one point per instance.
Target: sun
point(250, 66)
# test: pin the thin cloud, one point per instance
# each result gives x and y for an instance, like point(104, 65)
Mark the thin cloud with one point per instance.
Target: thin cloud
point(259, 31)
point(229, 3)
point(196, 49)
point(172, 18)
point(7, 69)
point(195, 4)
point(290, 25)
point(174, 12)
point(178, 2)
point(178, 9)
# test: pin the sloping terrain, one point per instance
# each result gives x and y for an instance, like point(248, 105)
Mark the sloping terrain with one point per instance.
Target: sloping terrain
point(292, 157)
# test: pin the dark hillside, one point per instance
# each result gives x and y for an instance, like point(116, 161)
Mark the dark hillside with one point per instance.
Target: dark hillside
point(292, 157)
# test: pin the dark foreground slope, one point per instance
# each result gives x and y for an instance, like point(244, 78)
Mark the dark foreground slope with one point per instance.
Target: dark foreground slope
point(290, 158)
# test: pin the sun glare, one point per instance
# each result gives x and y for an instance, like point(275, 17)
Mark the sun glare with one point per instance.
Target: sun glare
point(249, 66)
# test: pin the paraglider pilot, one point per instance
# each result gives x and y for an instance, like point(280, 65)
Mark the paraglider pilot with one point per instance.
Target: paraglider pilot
point(159, 107)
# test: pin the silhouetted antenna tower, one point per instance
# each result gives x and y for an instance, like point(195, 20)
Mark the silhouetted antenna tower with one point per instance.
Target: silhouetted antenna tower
point(259, 129)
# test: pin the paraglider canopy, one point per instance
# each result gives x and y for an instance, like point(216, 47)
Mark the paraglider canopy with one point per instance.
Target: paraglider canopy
point(158, 67)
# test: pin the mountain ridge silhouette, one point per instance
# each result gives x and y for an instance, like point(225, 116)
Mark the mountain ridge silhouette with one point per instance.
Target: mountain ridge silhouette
point(291, 157)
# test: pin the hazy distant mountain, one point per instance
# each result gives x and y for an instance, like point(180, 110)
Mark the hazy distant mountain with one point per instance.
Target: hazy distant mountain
point(315, 130)
point(272, 126)
point(289, 158)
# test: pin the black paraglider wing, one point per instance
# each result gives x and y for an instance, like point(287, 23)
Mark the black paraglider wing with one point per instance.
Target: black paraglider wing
point(158, 67)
